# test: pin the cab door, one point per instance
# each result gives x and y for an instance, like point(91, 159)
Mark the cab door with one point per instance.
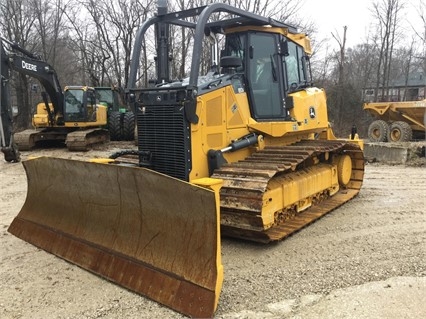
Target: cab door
point(265, 77)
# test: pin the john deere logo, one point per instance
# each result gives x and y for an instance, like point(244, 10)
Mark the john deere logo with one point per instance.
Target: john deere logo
point(312, 114)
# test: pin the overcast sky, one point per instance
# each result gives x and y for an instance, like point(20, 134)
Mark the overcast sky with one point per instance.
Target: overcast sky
point(332, 15)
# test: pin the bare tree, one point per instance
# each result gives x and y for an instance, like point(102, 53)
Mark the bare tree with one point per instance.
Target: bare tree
point(49, 25)
point(341, 60)
point(104, 37)
point(386, 12)
point(52, 30)
point(420, 36)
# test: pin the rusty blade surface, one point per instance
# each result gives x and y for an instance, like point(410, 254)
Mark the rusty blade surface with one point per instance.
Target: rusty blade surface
point(150, 233)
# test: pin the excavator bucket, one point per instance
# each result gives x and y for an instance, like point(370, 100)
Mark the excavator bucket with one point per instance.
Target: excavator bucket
point(148, 232)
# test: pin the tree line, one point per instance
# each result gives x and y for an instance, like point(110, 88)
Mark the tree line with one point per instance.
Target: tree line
point(89, 42)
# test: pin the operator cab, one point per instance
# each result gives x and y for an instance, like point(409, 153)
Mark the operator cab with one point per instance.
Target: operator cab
point(80, 104)
point(273, 67)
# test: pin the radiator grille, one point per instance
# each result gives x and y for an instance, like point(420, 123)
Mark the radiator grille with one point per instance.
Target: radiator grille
point(164, 132)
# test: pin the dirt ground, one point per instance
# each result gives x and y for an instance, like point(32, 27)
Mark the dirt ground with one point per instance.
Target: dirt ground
point(366, 259)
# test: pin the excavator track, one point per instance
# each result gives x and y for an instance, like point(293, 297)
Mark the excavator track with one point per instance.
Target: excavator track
point(82, 140)
point(246, 182)
point(76, 141)
point(27, 139)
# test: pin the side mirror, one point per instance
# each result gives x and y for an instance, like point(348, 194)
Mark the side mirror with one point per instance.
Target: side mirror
point(227, 62)
point(230, 64)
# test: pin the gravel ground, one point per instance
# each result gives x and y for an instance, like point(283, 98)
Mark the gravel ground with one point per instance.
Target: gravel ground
point(363, 260)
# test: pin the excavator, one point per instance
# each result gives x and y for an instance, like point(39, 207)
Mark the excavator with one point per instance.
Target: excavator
point(244, 151)
point(72, 115)
point(8, 147)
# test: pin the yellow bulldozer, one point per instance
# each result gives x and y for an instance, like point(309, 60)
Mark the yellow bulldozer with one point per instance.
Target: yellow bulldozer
point(244, 151)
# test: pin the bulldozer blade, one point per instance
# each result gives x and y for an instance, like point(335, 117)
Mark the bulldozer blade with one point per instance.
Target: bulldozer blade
point(153, 234)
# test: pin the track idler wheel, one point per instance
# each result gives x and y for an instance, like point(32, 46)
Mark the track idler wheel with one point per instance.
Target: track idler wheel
point(344, 169)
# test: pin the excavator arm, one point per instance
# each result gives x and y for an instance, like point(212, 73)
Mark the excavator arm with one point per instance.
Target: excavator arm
point(25, 62)
point(11, 153)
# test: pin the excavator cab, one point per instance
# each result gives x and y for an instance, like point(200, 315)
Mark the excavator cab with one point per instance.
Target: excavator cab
point(80, 109)
point(80, 104)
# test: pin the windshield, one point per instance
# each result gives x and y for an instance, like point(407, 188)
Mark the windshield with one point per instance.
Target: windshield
point(295, 67)
point(73, 101)
point(75, 105)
